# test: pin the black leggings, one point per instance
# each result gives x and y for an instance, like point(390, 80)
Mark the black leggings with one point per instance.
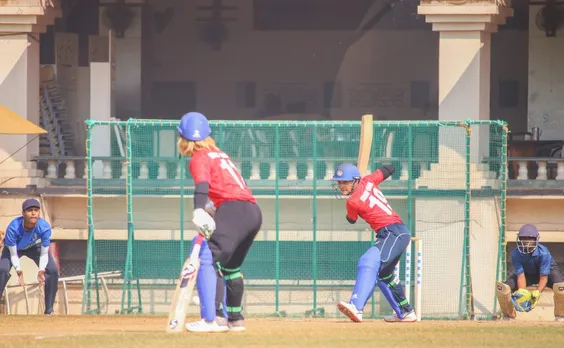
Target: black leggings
point(237, 223)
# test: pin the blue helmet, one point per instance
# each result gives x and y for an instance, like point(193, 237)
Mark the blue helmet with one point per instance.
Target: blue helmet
point(346, 172)
point(194, 126)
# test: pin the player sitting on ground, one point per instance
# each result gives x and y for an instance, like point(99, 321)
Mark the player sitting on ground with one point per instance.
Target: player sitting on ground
point(238, 218)
point(376, 266)
point(533, 264)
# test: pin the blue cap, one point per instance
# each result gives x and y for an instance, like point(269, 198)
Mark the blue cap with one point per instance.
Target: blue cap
point(528, 230)
point(30, 203)
point(194, 126)
point(346, 172)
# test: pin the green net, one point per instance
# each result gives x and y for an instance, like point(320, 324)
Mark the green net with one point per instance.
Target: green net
point(448, 187)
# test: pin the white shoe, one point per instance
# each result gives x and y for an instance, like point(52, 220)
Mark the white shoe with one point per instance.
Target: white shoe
point(559, 319)
point(206, 326)
point(408, 318)
point(350, 311)
point(237, 326)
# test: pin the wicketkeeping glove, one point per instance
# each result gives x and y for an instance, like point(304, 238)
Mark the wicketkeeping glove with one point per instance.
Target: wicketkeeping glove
point(535, 297)
point(204, 223)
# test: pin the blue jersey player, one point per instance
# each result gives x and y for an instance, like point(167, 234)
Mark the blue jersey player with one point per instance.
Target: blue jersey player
point(533, 264)
point(30, 235)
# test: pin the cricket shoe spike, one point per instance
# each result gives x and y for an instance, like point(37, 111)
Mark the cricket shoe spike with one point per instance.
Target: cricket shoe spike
point(206, 326)
point(407, 318)
point(350, 311)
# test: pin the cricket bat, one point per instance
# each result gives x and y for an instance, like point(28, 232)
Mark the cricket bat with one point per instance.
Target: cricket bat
point(184, 288)
point(366, 131)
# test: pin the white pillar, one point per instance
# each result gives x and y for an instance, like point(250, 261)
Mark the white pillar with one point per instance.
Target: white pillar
point(19, 91)
point(464, 68)
point(464, 87)
point(102, 100)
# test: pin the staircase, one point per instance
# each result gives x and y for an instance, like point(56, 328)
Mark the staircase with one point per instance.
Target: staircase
point(53, 117)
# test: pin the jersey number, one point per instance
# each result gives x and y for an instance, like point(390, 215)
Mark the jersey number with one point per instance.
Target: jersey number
point(230, 167)
point(375, 197)
point(227, 164)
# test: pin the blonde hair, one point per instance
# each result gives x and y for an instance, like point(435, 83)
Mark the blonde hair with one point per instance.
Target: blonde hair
point(2, 235)
point(189, 147)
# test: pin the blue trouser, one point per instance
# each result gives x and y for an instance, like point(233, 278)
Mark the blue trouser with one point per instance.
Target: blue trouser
point(207, 284)
point(376, 266)
point(51, 273)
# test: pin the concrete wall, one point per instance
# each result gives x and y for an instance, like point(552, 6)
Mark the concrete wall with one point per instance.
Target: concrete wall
point(545, 104)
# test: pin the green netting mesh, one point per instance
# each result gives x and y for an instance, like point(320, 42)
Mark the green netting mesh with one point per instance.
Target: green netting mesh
point(449, 188)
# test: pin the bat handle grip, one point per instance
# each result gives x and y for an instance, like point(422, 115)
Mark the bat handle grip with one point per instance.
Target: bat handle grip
point(197, 246)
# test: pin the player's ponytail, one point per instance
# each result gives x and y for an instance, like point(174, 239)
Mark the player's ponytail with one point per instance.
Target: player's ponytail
point(189, 147)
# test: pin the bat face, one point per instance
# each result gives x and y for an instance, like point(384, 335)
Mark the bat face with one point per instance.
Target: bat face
point(184, 288)
point(188, 273)
point(183, 293)
point(366, 131)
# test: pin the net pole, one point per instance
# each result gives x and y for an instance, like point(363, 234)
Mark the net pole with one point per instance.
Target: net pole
point(129, 200)
point(501, 256)
point(410, 204)
point(503, 186)
point(467, 198)
point(182, 165)
point(314, 216)
point(277, 218)
point(89, 252)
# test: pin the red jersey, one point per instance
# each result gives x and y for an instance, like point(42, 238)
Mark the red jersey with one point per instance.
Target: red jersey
point(368, 202)
point(217, 169)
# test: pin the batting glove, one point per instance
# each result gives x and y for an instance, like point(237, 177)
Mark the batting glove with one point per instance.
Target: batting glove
point(535, 297)
point(204, 223)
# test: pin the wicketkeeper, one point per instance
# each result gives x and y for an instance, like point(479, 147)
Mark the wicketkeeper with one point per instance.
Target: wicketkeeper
point(533, 264)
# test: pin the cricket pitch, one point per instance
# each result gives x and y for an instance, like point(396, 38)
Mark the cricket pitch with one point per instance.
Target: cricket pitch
point(149, 331)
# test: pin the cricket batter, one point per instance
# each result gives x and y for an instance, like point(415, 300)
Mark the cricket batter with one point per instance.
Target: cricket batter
point(376, 266)
point(238, 218)
point(533, 264)
point(30, 235)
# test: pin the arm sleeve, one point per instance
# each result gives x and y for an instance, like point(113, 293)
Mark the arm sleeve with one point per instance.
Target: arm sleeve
point(545, 264)
point(201, 172)
point(14, 257)
point(201, 195)
point(352, 213)
point(517, 264)
point(46, 237)
point(43, 257)
point(382, 174)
